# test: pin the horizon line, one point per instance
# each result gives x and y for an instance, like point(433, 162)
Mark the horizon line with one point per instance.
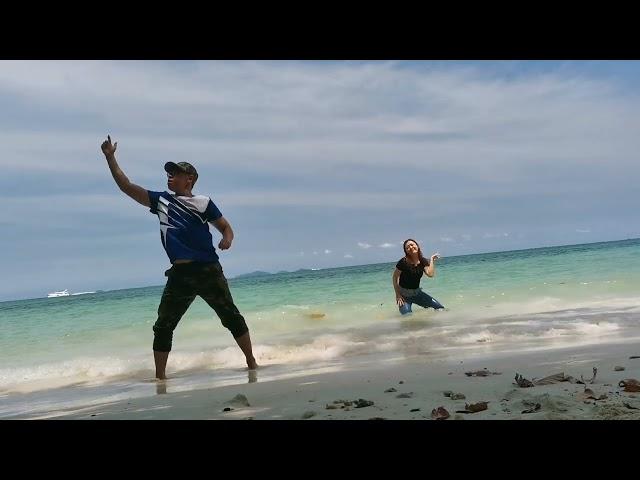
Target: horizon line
point(359, 265)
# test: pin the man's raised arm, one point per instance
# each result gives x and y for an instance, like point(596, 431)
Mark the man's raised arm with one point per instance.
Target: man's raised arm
point(136, 192)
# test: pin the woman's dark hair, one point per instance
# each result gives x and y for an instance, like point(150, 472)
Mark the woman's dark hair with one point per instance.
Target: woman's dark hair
point(404, 247)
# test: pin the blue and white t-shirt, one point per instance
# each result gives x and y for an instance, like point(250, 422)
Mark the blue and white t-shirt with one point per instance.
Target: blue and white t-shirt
point(183, 225)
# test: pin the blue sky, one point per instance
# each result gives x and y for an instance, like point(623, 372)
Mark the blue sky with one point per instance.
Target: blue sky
point(315, 164)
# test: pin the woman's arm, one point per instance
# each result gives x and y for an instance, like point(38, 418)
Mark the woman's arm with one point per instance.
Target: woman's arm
point(396, 287)
point(430, 271)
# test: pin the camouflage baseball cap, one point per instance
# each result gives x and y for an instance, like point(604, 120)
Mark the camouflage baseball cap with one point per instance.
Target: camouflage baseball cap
point(171, 167)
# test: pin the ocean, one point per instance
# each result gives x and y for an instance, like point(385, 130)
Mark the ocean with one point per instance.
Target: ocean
point(57, 352)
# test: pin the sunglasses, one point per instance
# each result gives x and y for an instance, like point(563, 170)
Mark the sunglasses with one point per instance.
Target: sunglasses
point(174, 174)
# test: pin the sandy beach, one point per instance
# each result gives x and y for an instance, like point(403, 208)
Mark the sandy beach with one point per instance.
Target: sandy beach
point(405, 389)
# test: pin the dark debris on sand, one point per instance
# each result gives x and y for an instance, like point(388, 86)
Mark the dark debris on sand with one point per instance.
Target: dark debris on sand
point(346, 404)
point(533, 407)
point(630, 385)
point(439, 413)
point(552, 379)
point(474, 407)
point(481, 373)
point(405, 395)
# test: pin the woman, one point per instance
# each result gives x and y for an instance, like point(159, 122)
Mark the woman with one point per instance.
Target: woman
point(407, 275)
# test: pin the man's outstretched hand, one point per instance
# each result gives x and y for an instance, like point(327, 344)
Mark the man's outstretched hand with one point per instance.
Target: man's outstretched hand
point(107, 148)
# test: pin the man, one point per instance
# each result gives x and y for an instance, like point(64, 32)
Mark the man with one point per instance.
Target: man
point(184, 231)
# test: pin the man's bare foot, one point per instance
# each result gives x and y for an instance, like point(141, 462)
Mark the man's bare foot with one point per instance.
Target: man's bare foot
point(161, 376)
point(252, 364)
point(161, 387)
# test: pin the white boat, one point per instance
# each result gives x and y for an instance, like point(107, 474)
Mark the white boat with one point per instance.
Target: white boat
point(81, 293)
point(63, 293)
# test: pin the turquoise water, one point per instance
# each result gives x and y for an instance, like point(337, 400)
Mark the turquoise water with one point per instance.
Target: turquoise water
point(569, 293)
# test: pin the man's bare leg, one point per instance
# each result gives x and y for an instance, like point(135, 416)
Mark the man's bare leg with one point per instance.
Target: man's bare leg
point(244, 342)
point(161, 364)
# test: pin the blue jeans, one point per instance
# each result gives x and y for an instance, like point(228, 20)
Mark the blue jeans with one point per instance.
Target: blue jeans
point(419, 298)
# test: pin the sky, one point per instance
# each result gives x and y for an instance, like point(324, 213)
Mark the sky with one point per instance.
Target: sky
point(315, 164)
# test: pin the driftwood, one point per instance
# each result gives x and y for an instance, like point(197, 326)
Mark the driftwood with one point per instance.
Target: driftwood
point(555, 378)
point(551, 379)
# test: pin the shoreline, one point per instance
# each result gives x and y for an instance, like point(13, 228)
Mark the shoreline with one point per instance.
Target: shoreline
point(315, 393)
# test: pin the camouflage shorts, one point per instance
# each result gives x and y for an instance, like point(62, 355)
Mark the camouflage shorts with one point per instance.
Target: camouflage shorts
point(184, 282)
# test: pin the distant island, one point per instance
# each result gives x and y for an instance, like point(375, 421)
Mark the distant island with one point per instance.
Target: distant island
point(254, 274)
point(258, 273)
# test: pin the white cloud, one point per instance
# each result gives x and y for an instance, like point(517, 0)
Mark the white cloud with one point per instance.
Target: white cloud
point(348, 255)
point(495, 235)
point(327, 252)
point(466, 237)
point(446, 239)
point(315, 253)
point(363, 110)
point(310, 198)
point(386, 245)
point(583, 231)
point(364, 245)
